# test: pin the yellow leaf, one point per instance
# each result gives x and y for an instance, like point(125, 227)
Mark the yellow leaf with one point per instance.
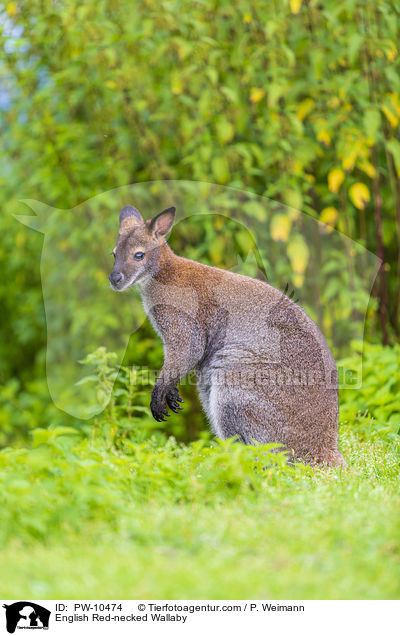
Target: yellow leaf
point(393, 120)
point(298, 280)
point(280, 227)
point(329, 217)
point(391, 52)
point(111, 84)
point(295, 6)
point(256, 95)
point(11, 9)
point(324, 137)
point(395, 102)
point(304, 108)
point(298, 254)
point(335, 179)
point(323, 134)
point(391, 109)
point(334, 102)
point(367, 167)
point(297, 167)
point(360, 195)
point(247, 18)
point(349, 160)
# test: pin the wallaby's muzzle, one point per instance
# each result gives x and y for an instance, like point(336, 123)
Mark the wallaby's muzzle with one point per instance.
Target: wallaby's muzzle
point(116, 280)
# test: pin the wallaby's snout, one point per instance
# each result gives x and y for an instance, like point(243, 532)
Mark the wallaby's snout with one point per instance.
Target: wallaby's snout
point(116, 279)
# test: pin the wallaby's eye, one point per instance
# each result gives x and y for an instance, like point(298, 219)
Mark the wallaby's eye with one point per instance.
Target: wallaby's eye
point(138, 256)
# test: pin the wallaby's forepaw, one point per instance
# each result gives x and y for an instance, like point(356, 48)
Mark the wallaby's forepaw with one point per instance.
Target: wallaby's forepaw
point(157, 405)
point(173, 398)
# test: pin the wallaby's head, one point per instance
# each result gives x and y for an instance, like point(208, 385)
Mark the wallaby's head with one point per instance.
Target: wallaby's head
point(137, 252)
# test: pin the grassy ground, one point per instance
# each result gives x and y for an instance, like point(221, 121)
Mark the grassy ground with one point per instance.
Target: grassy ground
point(156, 520)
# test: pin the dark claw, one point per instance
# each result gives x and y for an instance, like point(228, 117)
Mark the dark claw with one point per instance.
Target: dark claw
point(159, 414)
point(174, 406)
point(173, 399)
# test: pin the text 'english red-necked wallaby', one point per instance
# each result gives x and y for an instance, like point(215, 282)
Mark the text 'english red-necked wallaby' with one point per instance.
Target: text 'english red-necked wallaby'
point(264, 370)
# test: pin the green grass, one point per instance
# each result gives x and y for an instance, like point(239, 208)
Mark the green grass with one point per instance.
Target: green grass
point(80, 519)
point(124, 511)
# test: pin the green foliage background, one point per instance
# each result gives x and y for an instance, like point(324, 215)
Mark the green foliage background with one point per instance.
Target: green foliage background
point(298, 101)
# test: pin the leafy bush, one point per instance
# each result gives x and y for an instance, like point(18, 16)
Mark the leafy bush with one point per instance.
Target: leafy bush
point(373, 409)
point(127, 390)
point(77, 481)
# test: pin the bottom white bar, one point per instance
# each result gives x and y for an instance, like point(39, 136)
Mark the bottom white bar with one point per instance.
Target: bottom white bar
point(195, 617)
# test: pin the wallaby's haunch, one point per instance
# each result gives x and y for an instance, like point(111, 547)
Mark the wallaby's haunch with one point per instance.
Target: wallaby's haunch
point(264, 370)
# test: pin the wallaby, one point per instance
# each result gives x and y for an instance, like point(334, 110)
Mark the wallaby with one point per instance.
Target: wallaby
point(264, 371)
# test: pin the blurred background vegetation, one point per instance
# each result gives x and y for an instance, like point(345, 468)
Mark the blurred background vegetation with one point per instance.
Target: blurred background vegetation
point(297, 101)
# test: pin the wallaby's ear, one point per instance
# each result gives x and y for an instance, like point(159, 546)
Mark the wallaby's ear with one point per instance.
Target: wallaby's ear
point(130, 216)
point(161, 224)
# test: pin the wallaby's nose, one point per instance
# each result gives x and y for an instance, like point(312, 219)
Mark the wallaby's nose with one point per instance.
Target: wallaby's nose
point(116, 277)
